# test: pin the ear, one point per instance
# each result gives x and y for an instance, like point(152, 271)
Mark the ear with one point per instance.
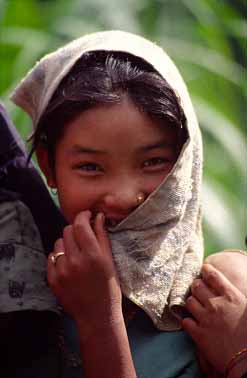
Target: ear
point(43, 160)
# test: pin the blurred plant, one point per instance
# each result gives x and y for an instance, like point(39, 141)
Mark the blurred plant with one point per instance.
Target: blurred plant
point(206, 39)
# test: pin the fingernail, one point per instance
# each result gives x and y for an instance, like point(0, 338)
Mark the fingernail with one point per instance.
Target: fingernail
point(79, 218)
point(208, 271)
point(206, 268)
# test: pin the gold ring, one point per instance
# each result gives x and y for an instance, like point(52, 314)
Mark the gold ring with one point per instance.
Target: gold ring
point(139, 198)
point(55, 256)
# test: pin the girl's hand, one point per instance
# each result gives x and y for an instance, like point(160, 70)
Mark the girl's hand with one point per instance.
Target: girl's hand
point(219, 309)
point(84, 280)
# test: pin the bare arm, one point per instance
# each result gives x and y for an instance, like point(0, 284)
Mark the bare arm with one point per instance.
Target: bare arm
point(106, 353)
point(219, 327)
point(86, 284)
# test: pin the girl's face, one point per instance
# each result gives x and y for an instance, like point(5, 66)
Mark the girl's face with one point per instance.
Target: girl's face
point(109, 155)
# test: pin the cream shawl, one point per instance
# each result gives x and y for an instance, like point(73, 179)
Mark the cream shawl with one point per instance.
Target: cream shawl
point(158, 249)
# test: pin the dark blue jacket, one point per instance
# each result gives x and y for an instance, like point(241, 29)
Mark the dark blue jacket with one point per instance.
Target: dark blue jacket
point(22, 180)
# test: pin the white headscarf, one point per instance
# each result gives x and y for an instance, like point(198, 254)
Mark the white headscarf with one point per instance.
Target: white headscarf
point(158, 249)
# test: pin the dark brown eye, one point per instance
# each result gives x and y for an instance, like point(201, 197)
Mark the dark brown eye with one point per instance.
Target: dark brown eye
point(154, 162)
point(89, 167)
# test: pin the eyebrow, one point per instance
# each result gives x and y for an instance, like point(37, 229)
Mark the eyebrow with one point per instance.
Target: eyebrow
point(78, 149)
point(154, 146)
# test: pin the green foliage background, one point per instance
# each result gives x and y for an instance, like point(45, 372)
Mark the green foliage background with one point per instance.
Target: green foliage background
point(206, 39)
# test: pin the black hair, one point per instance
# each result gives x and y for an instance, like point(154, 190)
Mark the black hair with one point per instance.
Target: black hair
point(103, 78)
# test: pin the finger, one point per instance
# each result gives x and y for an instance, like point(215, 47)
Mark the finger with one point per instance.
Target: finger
point(201, 292)
point(196, 309)
point(216, 280)
point(59, 265)
point(101, 233)
point(192, 328)
point(84, 234)
point(70, 244)
point(51, 272)
point(59, 246)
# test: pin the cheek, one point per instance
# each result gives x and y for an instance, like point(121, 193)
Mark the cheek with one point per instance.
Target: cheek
point(154, 181)
point(72, 201)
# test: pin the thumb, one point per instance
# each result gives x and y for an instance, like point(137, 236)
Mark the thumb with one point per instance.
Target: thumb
point(217, 281)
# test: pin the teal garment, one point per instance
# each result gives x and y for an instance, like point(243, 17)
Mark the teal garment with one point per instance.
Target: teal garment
point(155, 354)
point(32, 350)
point(161, 354)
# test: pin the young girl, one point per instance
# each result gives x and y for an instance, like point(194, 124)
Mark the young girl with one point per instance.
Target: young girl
point(115, 133)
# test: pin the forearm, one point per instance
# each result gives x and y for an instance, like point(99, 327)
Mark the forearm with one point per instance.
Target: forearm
point(105, 351)
point(239, 369)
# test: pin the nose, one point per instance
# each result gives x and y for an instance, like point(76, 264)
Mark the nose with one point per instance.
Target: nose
point(124, 199)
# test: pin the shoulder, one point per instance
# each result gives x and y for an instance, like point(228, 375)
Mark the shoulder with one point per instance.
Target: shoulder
point(159, 354)
point(22, 261)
